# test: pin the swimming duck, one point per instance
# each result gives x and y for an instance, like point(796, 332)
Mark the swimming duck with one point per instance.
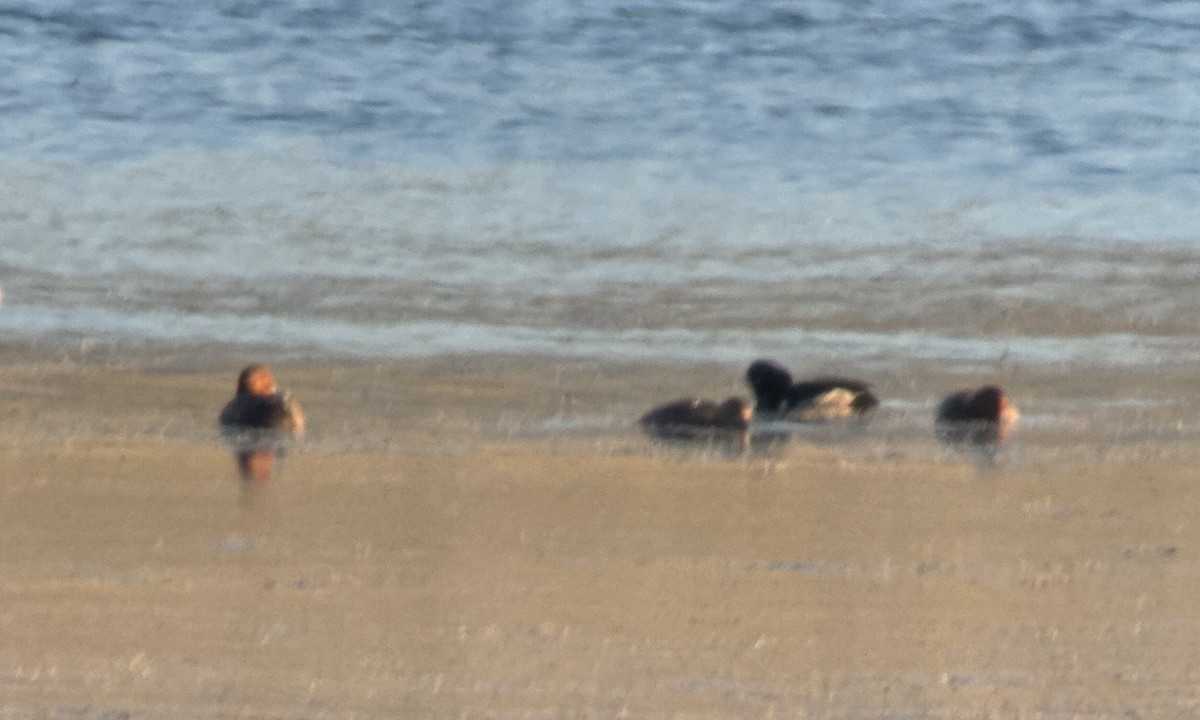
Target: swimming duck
point(692, 419)
point(258, 404)
point(818, 399)
point(259, 423)
point(983, 417)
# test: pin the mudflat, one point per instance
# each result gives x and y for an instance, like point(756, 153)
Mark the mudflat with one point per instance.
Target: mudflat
point(491, 537)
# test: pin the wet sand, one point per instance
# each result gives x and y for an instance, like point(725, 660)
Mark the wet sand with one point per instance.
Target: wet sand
point(488, 537)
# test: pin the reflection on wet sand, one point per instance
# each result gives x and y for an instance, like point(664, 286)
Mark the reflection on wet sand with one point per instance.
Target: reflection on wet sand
point(259, 453)
point(257, 465)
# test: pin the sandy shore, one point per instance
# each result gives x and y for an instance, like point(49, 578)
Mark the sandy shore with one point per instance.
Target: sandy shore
point(489, 538)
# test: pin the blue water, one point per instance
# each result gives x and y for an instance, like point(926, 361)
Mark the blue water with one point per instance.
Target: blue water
point(814, 95)
point(662, 180)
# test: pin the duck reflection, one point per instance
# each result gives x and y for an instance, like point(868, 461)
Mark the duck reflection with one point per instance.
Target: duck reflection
point(256, 465)
point(260, 424)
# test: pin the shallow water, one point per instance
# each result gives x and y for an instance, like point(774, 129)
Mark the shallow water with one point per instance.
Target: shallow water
point(313, 270)
point(491, 537)
point(524, 578)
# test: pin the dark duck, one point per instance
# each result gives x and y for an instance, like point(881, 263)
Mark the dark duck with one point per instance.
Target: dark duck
point(821, 399)
point(982, 417)
point(691, 420)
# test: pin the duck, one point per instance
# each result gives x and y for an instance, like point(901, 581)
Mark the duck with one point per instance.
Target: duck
point(259, 404)
point(820, 399)
point(260, 423)
point(982, 417)
point(695, 419)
